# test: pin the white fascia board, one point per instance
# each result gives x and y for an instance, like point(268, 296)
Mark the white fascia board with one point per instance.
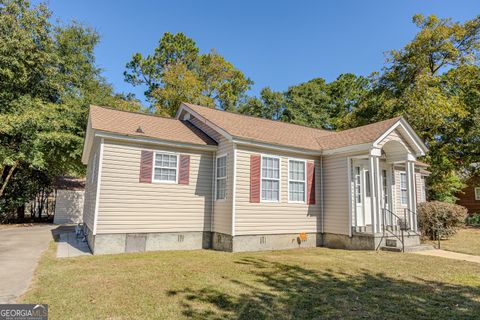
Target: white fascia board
point(349, 149)
point(252, 143)
point(411, 136)
point(87, 142)
point(136, 139)
point(207, 122)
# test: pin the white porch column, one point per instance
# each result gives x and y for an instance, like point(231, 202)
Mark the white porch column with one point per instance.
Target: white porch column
point(411, 205)
point(374, 170)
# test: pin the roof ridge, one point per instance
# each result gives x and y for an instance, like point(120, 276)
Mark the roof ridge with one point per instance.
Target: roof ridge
point(369, 124)
point(135, 112)
point(255, 117)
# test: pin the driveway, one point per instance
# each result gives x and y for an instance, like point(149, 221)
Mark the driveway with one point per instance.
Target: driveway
point(20, 250)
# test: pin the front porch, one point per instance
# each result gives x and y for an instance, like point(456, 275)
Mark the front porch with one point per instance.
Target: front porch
point(383, 195)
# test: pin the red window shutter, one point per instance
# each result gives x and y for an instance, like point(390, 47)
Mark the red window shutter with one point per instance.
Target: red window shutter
point(184, 174)
point(255, 178)
point(310, 182)
point(146, 163)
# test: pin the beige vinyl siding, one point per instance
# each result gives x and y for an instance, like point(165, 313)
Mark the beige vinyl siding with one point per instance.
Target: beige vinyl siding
point(91, 186)
point(222, 217)
point(128, 206)
point(272, 217)
point(420, 187)
point(336, 194)
point(395, 136)
point(399, 207)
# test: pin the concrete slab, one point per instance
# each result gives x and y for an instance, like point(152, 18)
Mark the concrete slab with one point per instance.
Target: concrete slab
point(20, 251)
point(450, 255)
point(69, 245)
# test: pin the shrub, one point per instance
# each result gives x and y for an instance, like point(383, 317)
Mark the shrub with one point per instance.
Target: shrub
point(435, 215)
point(473, 220)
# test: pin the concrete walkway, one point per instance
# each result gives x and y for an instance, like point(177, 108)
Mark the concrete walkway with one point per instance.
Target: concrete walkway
point(20, 250)
point(450, 255)
point(69, 245)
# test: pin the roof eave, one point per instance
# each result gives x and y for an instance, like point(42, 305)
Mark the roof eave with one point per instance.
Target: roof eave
point(260, 144)
point(151, 140)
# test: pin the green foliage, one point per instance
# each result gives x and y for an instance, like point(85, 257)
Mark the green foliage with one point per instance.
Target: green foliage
point(433, 82)
point(473, 220)
point(48, 78)
point(441, 217)
point(270, 105)
point(176, 72)
point(314, 103)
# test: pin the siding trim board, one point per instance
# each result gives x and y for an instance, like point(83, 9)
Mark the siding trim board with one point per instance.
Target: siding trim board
point(99, 179)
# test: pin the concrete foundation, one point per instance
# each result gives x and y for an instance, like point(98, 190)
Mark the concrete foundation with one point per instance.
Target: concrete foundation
point(222, 242)
point(139, 242)
point(276, 241)
point(366, 241)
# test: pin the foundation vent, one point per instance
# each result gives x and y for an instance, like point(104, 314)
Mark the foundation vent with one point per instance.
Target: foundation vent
point(263, 240)
point(180, 238)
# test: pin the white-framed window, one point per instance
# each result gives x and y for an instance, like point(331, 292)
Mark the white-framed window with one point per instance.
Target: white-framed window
point(403, 188)
point(221, 178)
point(165, 167)
point(270, 179)
point(477, 193)
point(297, 180)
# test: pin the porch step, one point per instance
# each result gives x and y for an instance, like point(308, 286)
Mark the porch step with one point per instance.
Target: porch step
point(421, 247)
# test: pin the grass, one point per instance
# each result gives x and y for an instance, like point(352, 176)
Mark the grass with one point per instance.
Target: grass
point(293, 284)
point(466, 240)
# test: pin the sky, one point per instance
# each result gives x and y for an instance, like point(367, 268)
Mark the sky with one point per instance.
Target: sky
point(274, 43)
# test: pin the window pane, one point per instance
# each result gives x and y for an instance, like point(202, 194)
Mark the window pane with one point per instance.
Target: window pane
point(165, 174)
point(297, 191)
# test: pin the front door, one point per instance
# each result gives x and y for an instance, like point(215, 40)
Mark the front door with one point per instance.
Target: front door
point(362, 194)
point(386, 191)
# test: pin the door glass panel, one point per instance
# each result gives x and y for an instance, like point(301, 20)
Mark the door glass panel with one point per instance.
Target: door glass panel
point(358, 185)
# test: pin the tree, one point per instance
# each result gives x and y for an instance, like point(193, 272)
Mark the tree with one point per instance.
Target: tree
point(48, 78)
point(433, 83)
point(176, 72)
point(270, 105)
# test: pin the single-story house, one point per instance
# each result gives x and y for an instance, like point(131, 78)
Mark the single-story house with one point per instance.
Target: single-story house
point(215, 179)
point(469, 197)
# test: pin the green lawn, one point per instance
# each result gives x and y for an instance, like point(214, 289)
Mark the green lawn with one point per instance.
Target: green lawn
point(465, 241)
point(294, 284)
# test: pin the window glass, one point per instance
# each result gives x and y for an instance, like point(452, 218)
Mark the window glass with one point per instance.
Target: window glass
point(403, 188)
point(165, 167)
point(297, 180)
point(221, 180)
point(270, 179)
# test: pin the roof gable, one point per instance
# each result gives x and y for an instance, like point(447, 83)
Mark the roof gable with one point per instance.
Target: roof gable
point(145, 125)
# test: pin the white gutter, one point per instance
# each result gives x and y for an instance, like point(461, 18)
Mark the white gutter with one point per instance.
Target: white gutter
point(274, 147)
point(138, 139)
point(321, 194)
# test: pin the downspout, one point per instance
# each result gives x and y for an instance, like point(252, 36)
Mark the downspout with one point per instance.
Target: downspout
point(214, 180)
point(321, 193)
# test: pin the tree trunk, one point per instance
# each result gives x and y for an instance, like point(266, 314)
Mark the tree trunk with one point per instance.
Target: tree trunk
point(21, 214)
point(7, 179)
